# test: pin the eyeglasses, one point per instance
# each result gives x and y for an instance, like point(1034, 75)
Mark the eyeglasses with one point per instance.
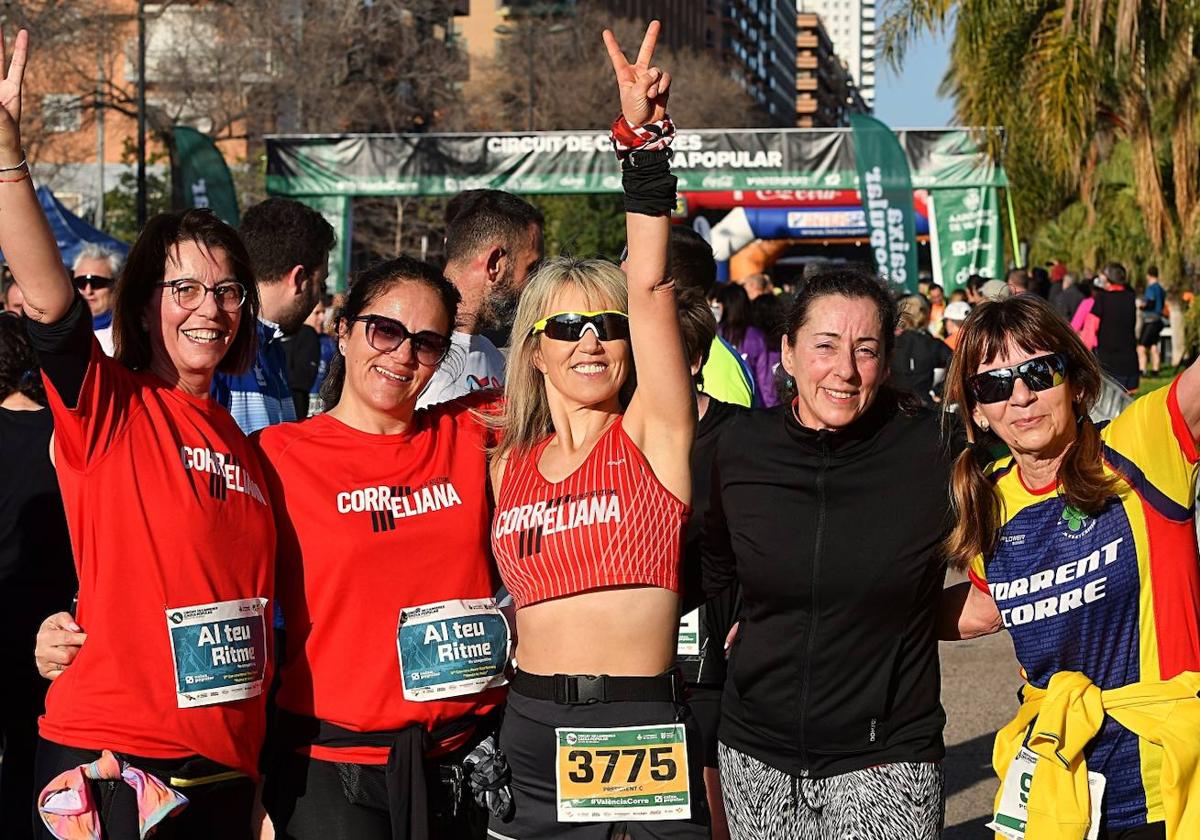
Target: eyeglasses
point(1038, 374)
point(387, 334)
point(607, 325)
point(190, 294)
point(82, 281)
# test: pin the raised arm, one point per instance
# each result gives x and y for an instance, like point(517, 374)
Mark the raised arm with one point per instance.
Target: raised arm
point(661, 417)
point(1188, 394)
point(25, 236)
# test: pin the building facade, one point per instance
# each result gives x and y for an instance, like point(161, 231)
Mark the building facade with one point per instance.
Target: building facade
point(825, 91)
point(756, 39)
point(851, 28)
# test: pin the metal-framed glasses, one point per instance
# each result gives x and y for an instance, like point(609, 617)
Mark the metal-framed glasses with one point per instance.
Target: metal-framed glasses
point(387, 334)
point(190, 294)
point(1038, 374)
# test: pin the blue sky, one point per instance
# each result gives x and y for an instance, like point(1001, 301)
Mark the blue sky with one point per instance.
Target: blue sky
point(909, 99)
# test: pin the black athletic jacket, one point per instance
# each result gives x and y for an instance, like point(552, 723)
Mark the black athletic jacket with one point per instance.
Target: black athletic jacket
point(834, 539)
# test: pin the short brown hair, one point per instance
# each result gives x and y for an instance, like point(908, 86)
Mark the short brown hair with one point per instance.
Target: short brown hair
point(147, 266)
point(1030, 324)
point(697, 326)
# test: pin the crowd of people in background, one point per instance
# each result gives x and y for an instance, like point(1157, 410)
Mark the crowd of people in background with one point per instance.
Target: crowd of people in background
point(528, 547)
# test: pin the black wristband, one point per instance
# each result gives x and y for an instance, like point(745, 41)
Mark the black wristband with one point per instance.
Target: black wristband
point(648, 183)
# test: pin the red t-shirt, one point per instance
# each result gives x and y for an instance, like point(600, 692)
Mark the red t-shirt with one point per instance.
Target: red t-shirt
point(370, 525)
point(167, 507)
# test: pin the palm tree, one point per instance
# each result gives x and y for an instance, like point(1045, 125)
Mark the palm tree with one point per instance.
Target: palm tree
point(1069, 79)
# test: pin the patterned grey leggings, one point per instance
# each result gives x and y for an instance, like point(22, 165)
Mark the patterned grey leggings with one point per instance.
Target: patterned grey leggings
point(887, 802)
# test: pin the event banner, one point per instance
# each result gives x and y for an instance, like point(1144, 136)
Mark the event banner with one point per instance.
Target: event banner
point(583, 162)
point(199, 176)
point(966, 235)
point(887, 198)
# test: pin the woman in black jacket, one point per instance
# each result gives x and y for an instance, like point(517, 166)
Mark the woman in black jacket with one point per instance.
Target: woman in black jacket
point(829, 511)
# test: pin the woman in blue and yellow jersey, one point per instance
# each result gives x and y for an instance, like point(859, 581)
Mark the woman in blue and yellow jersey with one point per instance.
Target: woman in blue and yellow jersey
point(1081, 543)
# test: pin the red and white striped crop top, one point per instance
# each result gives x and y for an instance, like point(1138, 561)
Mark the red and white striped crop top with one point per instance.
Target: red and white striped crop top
point(608, 523)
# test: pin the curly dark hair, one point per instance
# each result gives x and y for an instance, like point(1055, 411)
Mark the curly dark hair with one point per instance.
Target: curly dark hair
point(19, 372)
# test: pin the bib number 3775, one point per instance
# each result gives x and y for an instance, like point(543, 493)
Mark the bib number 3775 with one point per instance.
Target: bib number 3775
point(627, 773)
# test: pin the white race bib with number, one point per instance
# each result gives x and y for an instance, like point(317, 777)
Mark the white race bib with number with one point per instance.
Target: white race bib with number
point(452, 648)
point(622, 774)
point(689, 634)
point(219, 651)
point(1013, 813)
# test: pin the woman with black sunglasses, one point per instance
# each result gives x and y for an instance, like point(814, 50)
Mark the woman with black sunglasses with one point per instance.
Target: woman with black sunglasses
point(592, 485)
point(395, 649)
point(1080, 542)
point(171, 530)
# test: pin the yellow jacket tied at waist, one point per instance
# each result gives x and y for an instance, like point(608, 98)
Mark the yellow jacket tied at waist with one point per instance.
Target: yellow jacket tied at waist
point(1069, 713)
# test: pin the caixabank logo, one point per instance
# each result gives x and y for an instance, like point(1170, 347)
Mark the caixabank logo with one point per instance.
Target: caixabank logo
point(388, 503)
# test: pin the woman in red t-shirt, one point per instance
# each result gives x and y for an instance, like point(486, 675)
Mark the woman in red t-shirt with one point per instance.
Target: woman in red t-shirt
point(592, 482)
point(173, 537)
point(395, 650)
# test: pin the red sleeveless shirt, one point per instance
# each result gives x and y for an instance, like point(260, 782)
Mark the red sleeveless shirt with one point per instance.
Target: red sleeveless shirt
point(611, 522)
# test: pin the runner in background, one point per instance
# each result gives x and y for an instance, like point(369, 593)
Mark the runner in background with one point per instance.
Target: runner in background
point(94, 272)
point(37, 573)
point(379, 704)
point(175, 557)
point(322, 321)
point(731, 307)
point(289, 244)
point(692, 266)
point(1082, 544)
point(705, 623)
point(592, 482)
point(1153, 304)
point(493, 243)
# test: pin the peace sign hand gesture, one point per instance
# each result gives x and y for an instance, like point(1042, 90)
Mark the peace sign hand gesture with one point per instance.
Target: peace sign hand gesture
point(644, 89)
point(10, 98)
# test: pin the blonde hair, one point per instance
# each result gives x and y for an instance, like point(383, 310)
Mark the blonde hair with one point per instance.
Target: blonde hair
point(526, 418)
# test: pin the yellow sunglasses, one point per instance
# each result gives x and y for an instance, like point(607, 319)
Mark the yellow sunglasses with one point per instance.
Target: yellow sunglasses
point(607, 325)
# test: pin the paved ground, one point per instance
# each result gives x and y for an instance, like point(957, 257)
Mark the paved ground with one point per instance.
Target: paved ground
point(979, 684)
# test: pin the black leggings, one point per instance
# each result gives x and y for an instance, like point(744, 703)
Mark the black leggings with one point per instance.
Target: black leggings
point(222, 809)
point(307, 799)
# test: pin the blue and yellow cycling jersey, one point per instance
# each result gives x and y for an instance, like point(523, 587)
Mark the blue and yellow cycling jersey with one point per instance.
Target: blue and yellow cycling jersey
point(1115, 596)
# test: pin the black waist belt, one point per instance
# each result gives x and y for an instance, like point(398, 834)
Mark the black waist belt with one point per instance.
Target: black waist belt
point(583, 689)
point(404, 774)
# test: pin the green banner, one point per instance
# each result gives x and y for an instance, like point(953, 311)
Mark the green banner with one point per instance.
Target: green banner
point(965, 235)
point(556, 162)
point(199, 175)
point(336, 210)
point(886, 189)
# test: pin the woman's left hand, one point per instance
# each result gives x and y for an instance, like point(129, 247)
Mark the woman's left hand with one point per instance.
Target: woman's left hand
point(644, 89)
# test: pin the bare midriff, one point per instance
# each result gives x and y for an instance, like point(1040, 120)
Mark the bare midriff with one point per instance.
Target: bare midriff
point(620, 631)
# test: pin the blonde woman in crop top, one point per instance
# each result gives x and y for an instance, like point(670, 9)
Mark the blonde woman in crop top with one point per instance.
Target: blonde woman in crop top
point(592, 488)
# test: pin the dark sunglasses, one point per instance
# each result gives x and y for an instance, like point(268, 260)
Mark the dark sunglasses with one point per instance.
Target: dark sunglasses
point(82, 281)
point(1038, 374)
point(608, 325)
point(387, 334)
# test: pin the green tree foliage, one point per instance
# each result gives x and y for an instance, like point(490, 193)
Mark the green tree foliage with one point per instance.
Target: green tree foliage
point(120, 203)
point(1071, 81)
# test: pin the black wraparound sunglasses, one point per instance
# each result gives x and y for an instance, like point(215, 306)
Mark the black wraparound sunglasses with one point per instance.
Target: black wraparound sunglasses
point(1038, 374)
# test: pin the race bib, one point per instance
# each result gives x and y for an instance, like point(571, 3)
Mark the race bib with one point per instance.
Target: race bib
point(452, 648)
point(629, 773)
point(219, 651)
point(1013, 812)
point(689, 634)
